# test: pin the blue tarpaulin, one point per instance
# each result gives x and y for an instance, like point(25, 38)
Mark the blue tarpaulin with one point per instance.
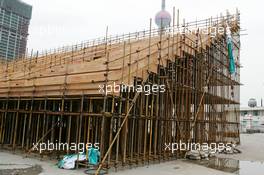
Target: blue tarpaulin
point(232, 66)
point(68, 161)
point(93, 156)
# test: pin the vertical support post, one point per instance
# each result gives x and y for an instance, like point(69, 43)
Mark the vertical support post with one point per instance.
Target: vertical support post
point(80, 129)
point(24, 125)
point(69, 126)
point(29, 124)
point(16, 123)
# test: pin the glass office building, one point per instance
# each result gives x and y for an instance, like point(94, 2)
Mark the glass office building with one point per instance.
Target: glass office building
point(15, 16)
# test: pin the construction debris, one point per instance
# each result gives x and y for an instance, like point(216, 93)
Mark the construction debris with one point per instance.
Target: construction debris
point(194, 155)
point(231, 150)
point(198, 155)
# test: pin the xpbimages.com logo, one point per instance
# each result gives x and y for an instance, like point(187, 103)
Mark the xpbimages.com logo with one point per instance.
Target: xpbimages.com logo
point(117, 88)
point(210, 31)
point(58, 146)
point(212, 147)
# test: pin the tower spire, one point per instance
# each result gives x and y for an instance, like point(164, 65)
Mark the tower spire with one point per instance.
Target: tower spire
point(163, 5)
point(163, 18)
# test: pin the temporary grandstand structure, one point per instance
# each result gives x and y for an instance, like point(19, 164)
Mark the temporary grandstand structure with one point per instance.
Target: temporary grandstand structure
point(56, 96)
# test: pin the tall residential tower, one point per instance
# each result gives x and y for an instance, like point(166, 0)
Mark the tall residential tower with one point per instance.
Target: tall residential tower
point(15, 16)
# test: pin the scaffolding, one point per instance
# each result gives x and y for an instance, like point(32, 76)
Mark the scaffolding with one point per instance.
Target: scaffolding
point(54, 96)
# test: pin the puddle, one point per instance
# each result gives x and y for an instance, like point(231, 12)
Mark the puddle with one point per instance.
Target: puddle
point(19, 169)
point(233, 166)
point(247, 167)
point(14, 166)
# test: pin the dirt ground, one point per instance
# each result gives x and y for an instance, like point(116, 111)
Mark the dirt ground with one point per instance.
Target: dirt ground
point(252, 147)
point(178, 167)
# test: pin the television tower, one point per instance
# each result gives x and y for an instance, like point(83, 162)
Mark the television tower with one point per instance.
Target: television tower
point(163, 18)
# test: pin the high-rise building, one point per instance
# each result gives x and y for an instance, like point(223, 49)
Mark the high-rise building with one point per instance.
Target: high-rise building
point(15, 16)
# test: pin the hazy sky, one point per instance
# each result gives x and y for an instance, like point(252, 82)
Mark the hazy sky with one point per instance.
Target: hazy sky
point(61, 22)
